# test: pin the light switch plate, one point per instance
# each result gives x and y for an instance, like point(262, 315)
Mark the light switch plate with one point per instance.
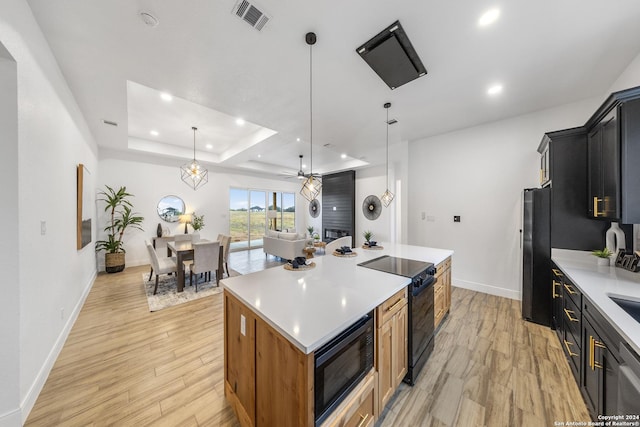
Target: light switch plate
point(43, 227)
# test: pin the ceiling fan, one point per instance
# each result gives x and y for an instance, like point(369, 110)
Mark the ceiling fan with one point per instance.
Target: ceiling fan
point(300, 174)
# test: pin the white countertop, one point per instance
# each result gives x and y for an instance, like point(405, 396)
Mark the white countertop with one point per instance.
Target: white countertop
point(311, 307)
point(597, 282)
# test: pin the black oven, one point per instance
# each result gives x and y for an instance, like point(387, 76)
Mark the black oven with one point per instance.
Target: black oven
point(341, 364)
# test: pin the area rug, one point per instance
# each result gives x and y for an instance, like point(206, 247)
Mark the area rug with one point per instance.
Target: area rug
point(167, 295)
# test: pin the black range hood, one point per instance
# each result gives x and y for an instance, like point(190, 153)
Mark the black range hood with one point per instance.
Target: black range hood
point(393, 58)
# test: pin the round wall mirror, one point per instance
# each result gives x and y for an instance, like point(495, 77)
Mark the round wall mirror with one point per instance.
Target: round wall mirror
point(170, 208)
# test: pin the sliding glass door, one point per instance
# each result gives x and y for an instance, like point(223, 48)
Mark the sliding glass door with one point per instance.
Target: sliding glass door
point(252, 212)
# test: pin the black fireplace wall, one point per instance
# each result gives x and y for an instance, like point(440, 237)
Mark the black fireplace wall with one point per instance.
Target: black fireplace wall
point(338, 204)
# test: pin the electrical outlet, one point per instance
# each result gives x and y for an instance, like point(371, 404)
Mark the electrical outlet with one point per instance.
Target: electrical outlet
point(243, 325)
point(431, 218)
point(456, 218)
point(43, 227)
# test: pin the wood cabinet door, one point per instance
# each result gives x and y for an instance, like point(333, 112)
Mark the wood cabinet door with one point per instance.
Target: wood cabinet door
point(385, 372)
point(399, 355)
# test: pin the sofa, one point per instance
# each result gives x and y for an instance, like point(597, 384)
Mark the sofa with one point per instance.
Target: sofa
point(286, 245)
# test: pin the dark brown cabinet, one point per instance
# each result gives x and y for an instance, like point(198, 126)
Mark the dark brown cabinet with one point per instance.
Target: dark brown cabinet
point(613, 155)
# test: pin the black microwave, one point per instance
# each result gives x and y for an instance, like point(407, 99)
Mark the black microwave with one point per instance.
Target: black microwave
point(341, 364)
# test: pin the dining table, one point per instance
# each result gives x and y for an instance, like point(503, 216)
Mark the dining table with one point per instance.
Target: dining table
point(183, 251)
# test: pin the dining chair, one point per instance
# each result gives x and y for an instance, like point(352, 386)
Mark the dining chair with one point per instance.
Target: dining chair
point(183, 238)
point(205, 260)
point(225, 244)
point(338, 243)
point(159, 265)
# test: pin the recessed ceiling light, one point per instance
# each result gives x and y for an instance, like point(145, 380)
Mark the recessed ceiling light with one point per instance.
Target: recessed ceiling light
point(343, 156)
point(240, 121)
point(494, 90)
point(209, 146)
point(165, 96)
point(489, 17)
point(304, 166)
point(154, 133)
point(259, 155)
point(298, 139)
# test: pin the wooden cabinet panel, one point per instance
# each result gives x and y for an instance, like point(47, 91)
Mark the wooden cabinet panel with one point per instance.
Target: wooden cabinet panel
point(284, 380)
point(442, 291)
point(400, 345)
point(390, 307)
point(240, 348)
point(392, 346)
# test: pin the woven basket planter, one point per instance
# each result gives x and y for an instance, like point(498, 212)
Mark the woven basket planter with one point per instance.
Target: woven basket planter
point(114, 263)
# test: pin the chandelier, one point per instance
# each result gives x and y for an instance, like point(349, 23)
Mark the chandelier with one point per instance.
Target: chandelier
point(192, 173)
point(312, 185)
point(387, 196)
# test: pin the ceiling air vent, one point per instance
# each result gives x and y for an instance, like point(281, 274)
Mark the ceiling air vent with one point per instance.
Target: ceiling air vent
point(250, 13)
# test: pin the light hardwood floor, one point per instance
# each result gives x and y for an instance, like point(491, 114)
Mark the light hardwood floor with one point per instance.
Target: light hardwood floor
point(123, 365)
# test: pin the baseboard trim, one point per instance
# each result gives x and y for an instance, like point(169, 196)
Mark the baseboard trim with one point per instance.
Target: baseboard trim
point(36, 387)
point(11, 419)
point(487, 289)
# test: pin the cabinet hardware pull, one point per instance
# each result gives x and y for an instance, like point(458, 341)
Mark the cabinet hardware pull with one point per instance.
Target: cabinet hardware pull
point(595, 207)
point(593, 343)
point(567, 344)
point(557, 272)
point(541, 176)
point(395, 304)
point(363, 419)
point(569, 289)
point(569, 314)
point(554, 290)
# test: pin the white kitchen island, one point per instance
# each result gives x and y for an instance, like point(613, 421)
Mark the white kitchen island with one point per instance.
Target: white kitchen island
point(298, 311)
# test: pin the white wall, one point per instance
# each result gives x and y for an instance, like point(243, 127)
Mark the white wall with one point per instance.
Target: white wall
point(10, 301)
point(149, 182)
point(53, 277)
point(391, 225)
point(479, 173)
point(629, 78)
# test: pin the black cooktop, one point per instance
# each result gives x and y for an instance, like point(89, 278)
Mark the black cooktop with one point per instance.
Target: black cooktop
point(399, 266)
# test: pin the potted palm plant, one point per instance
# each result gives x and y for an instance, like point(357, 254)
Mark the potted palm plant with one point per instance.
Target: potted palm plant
point(121, 218)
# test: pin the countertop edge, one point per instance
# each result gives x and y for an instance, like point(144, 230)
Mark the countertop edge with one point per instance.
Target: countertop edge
point(563, 257)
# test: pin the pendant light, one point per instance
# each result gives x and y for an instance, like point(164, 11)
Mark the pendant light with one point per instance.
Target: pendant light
point(312, 185)
point(192, 173)
point(387, 196)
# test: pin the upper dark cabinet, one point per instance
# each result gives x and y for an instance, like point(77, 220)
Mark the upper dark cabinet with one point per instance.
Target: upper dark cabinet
point(604, 169)
point(613, 159)
point(563, 164)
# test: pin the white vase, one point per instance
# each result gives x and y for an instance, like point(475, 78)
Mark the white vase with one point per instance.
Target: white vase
point(603, 261)
point(615, 241)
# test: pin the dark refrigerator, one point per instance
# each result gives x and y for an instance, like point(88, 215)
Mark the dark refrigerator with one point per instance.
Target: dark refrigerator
point(536, 256)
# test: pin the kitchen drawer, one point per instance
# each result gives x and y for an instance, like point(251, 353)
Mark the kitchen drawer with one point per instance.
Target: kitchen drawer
point(572, 292)
point(572, 319)
point(387, 309)
point(572, 350)
point(358, 410)
point(442, 267)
